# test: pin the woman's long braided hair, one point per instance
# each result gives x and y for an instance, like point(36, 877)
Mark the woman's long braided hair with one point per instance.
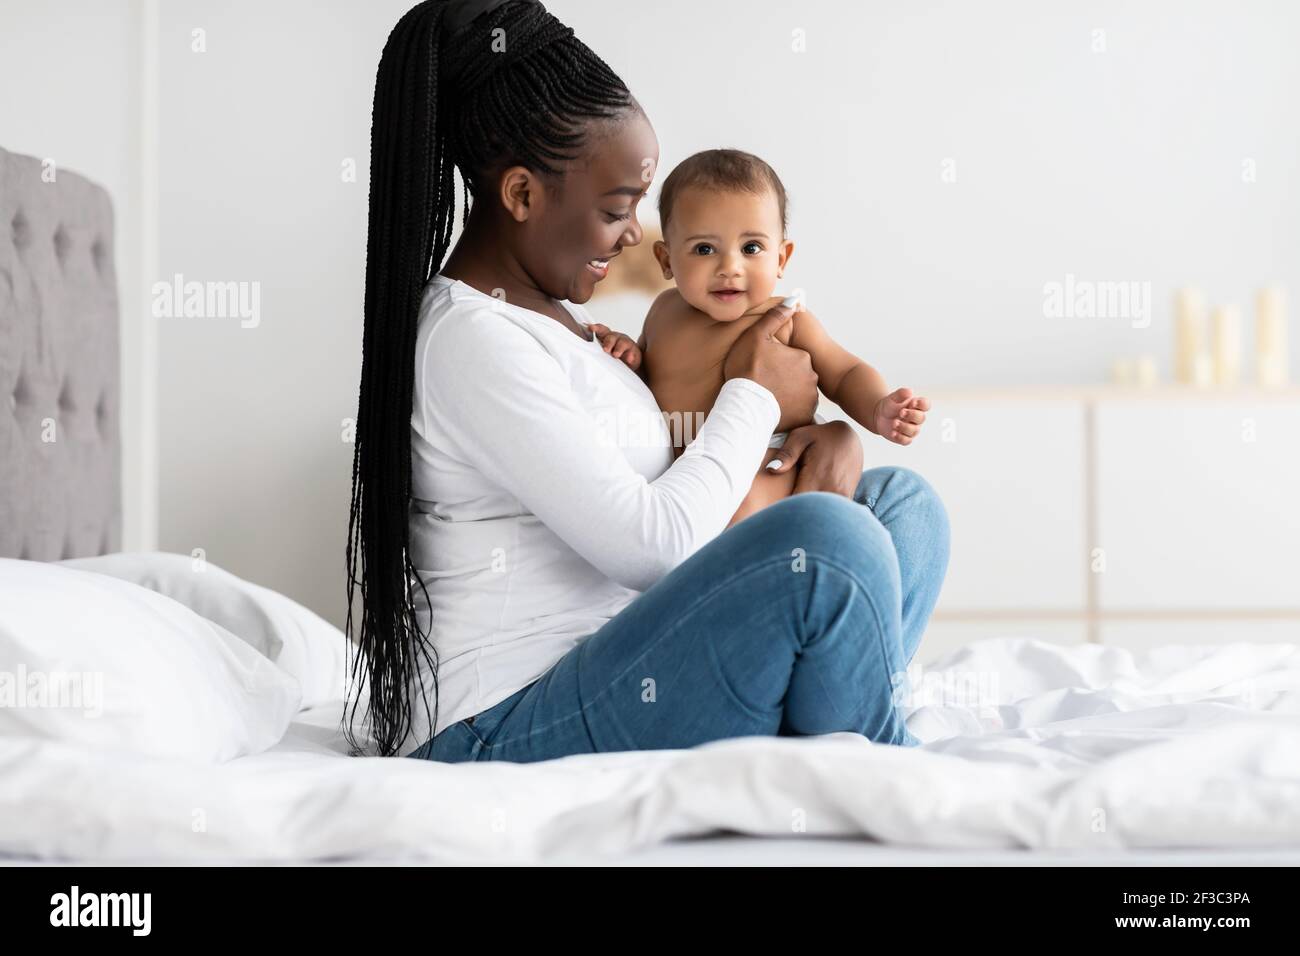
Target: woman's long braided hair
point(513, 87)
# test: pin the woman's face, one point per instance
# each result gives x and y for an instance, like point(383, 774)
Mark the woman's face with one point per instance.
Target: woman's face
point(587, 222)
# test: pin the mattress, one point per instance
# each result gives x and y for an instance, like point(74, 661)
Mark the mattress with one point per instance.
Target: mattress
point(1032, 753)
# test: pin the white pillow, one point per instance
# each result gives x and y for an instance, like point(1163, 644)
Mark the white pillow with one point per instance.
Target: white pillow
point(295, 638)
point(91, 660)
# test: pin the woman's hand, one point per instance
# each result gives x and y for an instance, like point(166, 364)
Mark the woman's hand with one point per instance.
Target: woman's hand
point(784, 371)
point(829, 458)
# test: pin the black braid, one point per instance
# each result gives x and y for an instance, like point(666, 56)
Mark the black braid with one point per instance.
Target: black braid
point(439, 106)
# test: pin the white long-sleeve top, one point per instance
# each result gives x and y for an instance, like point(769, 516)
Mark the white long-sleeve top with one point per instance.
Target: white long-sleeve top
point(544, 491)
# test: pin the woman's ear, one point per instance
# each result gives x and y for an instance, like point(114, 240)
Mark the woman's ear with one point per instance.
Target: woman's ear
point(661, 253)
point(522, 193)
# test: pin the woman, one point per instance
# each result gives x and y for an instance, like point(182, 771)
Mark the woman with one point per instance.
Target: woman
point(504, 539)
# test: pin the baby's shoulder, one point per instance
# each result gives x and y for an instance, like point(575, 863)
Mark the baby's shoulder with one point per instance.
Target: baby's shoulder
point(668, 303)
point(758, 311)
point(668, 313)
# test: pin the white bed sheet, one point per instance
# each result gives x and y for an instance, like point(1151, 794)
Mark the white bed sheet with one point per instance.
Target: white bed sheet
point(1078, 752)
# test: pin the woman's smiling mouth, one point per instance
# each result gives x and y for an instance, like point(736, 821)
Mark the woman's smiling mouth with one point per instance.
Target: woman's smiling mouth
point(600, 267)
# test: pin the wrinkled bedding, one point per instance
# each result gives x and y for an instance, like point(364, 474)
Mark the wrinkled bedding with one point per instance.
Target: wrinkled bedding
point(1026, 745)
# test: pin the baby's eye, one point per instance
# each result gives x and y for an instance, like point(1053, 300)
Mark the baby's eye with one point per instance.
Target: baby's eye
point(703, 249)
point(616, 217)
point(752, 248)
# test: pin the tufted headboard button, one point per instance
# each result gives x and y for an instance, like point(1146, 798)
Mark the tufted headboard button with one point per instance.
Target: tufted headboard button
point(62, 243)
point(21, 230)
point(19, 396)
point(99, 255)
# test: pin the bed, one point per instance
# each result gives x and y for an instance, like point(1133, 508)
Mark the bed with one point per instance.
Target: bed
point(1032, 753)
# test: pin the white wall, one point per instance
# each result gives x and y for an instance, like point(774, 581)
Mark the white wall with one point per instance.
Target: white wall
point(1117, 165)
point(254, 132)
point(70, 90)
point(1122, 165)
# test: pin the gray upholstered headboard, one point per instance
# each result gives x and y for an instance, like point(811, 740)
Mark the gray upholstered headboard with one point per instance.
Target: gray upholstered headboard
point(60, 453)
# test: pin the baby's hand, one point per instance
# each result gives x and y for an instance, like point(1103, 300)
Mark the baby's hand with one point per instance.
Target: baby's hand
point(618, 345)
point(899, 415)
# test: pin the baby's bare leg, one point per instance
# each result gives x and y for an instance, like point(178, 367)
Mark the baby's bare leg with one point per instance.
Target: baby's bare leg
point(767, 489)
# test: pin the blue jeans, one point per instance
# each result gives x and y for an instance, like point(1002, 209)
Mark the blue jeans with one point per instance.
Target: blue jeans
point(799, 620)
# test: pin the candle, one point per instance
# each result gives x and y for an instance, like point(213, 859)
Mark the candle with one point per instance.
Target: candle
point(1144, 371)
point(1227, 345)
point(1202, 370)
point(1190, 359)
point(1270, 337)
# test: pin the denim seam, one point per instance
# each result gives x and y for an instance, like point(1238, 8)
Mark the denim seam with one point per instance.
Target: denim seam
point(875, 614)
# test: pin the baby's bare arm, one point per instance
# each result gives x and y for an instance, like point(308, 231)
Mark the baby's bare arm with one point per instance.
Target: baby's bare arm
point(858, 388)
point(842, 377)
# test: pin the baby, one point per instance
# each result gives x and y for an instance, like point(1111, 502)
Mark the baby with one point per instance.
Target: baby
point(723, 214)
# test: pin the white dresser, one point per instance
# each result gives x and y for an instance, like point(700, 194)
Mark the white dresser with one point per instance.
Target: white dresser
point(1134, 516)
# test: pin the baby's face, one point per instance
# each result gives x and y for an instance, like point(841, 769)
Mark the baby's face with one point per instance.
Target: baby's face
point(724, 250)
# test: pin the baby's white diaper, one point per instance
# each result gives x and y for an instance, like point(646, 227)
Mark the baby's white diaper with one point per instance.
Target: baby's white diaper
point(778, 438)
